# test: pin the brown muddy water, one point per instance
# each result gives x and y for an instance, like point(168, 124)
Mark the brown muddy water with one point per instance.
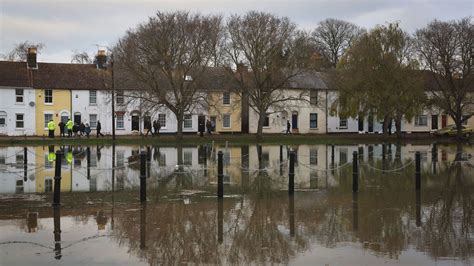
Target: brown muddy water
point(101, 222)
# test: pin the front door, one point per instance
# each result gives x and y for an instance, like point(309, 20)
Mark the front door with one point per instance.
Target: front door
point(77, 118)
point(361, 123)
point(371, 123)
point(136, 122)
point(444, 121)
point(434, 122)
point(294, 121)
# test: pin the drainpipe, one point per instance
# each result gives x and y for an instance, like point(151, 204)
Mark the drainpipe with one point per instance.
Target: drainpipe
point(327, 111)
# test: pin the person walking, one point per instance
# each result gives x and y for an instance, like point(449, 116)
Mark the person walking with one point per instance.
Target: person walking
point(201, 128)
point(82, 129)
point(69, 126)
point(99, 128)
point(51, 128)
point(208, 127)
point(155, 127)
point(288, 126)
point(61, 128)
point(87, 130)
point(147, 127)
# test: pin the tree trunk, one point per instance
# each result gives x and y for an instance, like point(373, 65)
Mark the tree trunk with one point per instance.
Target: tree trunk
point(385, 125)
point(398, 127)
point(261, 119)
point(459, 128)
point(179, 132)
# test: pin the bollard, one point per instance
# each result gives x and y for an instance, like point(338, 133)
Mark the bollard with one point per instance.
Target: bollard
point(291, 174)
point(220, 221)
point(143, 176)
point(220, 175)
point(88, 154)
point(57, 179)
point(355, 172)
point(418, 170)
point(25, 164)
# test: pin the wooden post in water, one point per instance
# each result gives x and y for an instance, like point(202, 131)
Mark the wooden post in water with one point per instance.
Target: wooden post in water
point(332, 155)
point(355, 172)
point(281, 160)
point(418, 170)
point(291, 212)
point(148, 161)
point(143, 176)
point(291, 174)
point(88, 155)
point(57, 179)
point(25, 164)
point(434, 156)
point(220, 175)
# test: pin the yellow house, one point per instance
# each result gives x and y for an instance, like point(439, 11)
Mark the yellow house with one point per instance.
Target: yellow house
point(225, 111)
point(45, 175)
point(52, 104)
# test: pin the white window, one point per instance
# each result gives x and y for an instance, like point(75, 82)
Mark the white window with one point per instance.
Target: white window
point(119, 97)
point(48, 96)
point(421, 120)
point(226, 121)
point(342, 123)
point(162, 119)
point(93, 120)
point(92, 97)
point(20, 122)
point(119, 121)
point(188, 121)
point(266, 122)
point(313, 97)
point(19, 93)
point(47, 118)
point(3, 118)
point(226, 98)
point(313, 120)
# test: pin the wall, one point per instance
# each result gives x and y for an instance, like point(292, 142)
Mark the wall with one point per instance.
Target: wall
point(61, 104)
point(8, 104)
point(218, 109)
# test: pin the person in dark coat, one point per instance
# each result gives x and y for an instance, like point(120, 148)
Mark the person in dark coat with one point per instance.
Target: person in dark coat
point(288, 126)
point(201, 128)
point(61, 129)
point(99, 128)
point(82, 129)
point(87, 130)
point(147, 127)
point(75, 129)
point(209, 127)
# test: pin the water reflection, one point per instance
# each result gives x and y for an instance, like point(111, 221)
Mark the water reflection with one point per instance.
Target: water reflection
point(257, 223)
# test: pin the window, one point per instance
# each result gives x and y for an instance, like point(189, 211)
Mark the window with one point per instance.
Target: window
point(162, 159)
point(342, 123)
point(421, 120)
point(47, 163)
point(342, 156)
point(92, 97)
point(266, 122)
point(313, 120)
point(20, 122)
point(93, 120)
point(313, 97)
point(226, 121)
point(313, 156)
point(119, 97)
point(3, 118)
point(19, 95)
point(188, 121)
point(226, 98)
point(93, 160)
point(20, 161)
point(47, 118)
point(120, 158)
point(48, 185)
point(48, 96)
point(120, 124)
point(162, 119)
point(188, 78)
point(187, 157)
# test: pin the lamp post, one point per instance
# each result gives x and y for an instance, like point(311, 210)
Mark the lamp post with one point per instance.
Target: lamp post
point(113, 95)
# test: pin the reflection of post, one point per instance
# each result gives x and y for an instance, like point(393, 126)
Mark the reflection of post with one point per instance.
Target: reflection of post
point(57, 179)
point(281, 160)
point(220, 175)
point(220, 220)
point(245, 166)
point(205, 160)
point(418, 170)
point(434, 156)
point(355, 211)
point(143, 226)
point(57, 232)
point(142, 176)
point(25, 164)
point(291, 174)
point(355, 172)
point(332, 155)
point(112, 222)
point(148, 161)
point(291, 214)
point(384, 152)
point(418, 208)
point(88, 154)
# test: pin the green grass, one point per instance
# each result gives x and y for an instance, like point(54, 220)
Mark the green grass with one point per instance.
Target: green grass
point(237, 139)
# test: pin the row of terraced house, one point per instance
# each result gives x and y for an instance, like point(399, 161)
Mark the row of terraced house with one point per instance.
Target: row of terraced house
point(32, 93)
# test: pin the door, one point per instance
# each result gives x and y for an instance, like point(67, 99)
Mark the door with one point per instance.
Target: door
point(444, 121)
point(434, 121)
point(294, 121)
point(136, 122)
point(201, 123)
point(77, 118)
point(370, 124)
point(361, 123)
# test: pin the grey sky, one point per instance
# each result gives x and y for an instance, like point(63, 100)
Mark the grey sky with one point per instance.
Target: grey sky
point(69, 25)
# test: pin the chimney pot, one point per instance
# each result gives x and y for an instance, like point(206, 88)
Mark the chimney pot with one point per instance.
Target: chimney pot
point(31, 58)
point(101, 59)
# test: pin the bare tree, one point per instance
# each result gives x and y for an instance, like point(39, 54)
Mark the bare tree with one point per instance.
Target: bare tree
point(168, 57)
point(275, 51)
point(333, 37)
point(81, 58)
point(20, 51)
point(446, 49)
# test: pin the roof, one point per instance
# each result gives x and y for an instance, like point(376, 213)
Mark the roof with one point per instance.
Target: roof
point(54, 76)
point(307, 80)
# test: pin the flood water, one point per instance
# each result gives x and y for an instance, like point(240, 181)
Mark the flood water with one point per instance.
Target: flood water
point(101, 222)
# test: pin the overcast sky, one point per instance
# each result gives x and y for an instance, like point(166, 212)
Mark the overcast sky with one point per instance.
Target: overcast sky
point(82, 25)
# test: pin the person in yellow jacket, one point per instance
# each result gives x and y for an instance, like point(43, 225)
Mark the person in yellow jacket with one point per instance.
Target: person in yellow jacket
point(51, 128)
point(69, 126)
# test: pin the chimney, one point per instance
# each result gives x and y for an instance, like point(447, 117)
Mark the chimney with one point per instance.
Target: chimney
point(101, 59)
point(242, 68)
point(31, 58)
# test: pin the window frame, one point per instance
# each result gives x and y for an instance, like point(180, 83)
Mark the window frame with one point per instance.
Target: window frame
point(162, 115)
point(3, 117)
point(341, 126)
point(17, 96)
point(91, 96)
point(311, 121)
point(313, 97)
point(46, 121)
point(226, 98)
point(187, 118)
point(119, 97)
point(120, 123)
point(19, 120)
point(46, 96)
point(224, 116)
point(93, 126)
point(266, 121)
point(417, 121)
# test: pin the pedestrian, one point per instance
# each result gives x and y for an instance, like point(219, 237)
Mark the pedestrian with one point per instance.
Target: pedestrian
point(82, 129)
point(75, 129)
point(201, 128)
point(51, 128)
point(61, 128)
point(87, 130)
point(208, 127)
point(155, 127)
point(99, 128)
point(213, 126)
point(69, 126)
point(288, 126)
point(147, 127)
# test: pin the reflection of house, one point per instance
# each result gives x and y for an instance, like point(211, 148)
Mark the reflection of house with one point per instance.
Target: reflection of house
point(12, 171)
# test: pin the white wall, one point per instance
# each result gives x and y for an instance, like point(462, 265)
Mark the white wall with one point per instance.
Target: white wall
point(8, 104)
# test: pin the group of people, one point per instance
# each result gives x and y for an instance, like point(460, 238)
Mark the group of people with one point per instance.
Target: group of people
point(73, 129)
point(209, 126)
point(155, 130)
